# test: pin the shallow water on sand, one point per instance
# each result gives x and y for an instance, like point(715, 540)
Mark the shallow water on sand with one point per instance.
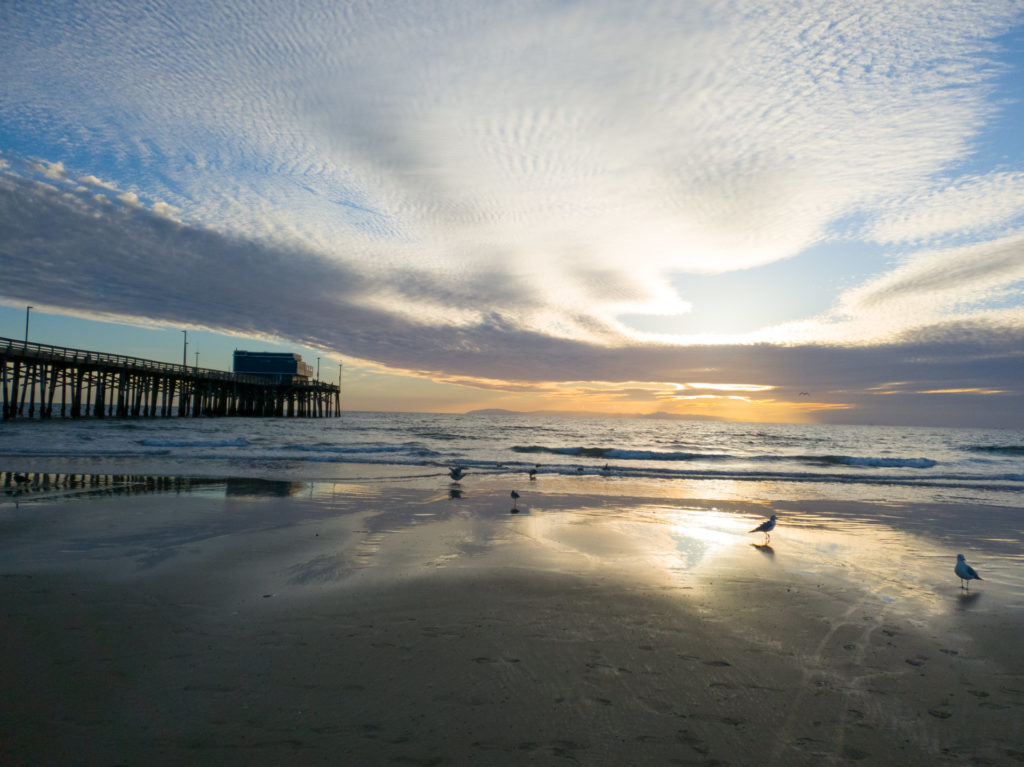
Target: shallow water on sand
point(898, 550)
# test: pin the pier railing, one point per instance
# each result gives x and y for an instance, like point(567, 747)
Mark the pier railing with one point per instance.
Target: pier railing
point(11, 347)
point(125, 386)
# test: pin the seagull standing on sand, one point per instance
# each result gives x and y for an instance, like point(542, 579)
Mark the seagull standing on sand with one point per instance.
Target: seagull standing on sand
point(515, 500)
point(533, 474)
point(965, 572)
point(456, 472)
point(766, 528)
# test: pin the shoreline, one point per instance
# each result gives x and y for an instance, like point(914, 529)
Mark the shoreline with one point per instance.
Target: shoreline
point(426, 478)
point(375, 624)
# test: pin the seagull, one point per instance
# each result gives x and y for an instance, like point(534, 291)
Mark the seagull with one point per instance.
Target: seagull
point(456, 472)
point(533, 474)
point(766, 528)
point(966, 572)
point(515, 499)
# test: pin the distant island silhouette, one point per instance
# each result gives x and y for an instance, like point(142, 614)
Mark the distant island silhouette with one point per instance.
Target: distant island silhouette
point(593, 414)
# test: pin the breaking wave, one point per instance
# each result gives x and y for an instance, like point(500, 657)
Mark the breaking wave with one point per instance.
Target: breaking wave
point(618, 454)
point(240, 442)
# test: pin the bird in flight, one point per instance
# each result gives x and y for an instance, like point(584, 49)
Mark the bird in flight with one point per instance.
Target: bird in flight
point(766, 527)
point(965, 572)
point(456, 472)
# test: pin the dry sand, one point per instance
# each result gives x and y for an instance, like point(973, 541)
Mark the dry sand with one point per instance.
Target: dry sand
point(367, 625)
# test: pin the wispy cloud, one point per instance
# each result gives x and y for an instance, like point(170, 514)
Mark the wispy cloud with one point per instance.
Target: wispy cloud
point(966, 206)
point(956, 292)
point(945, 280)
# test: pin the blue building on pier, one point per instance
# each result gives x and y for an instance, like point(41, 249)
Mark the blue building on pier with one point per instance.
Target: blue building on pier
point(276, 367)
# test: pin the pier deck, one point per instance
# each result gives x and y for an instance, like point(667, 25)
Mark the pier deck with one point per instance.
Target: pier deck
point(44, 381)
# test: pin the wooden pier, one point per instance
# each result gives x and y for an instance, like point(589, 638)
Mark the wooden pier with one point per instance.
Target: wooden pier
point(43, 381)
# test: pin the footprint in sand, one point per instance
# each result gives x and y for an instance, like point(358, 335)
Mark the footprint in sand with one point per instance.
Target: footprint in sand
point(694, 742)
point(854, 753)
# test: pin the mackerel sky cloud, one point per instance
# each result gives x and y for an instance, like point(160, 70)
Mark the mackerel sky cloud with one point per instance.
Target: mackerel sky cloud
point(517, 197)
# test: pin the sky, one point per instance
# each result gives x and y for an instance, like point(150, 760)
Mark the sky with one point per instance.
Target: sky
point(759, 211)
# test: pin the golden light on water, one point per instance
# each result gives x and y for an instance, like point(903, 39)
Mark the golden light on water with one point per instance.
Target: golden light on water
point(701, 535)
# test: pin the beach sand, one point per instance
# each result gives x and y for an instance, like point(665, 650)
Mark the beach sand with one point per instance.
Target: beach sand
point(288, 623)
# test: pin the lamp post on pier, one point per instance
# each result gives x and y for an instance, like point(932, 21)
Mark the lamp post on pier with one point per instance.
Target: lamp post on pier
point(27, 310)
point(184, 351)
point(318, 370)
point(197, 360)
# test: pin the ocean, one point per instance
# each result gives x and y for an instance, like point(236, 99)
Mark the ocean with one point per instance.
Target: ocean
point(697, 459)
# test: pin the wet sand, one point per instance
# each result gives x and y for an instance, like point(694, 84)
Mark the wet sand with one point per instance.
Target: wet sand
point(343, 624)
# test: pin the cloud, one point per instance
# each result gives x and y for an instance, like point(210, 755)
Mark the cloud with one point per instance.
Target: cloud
point(94, 181)
point(703, 138)
point(130, 198)
point(968, 205)
point(130, 262)
point(478, 191)
point(943, 280)
point(54, 171)
point(956, 292)
point(164, 210)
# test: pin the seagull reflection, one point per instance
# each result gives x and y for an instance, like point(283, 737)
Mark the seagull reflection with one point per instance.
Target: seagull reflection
point(967, 599)
point(765, 548)
point(454, 493)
